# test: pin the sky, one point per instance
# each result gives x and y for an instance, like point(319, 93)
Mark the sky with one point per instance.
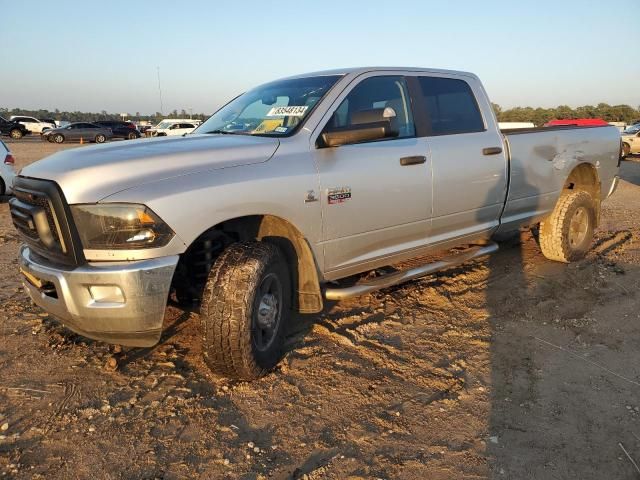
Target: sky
point(94, 56)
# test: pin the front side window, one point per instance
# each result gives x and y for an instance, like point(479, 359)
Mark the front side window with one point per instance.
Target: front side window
point(451, 106)
point(377, 93)
point(274, 109)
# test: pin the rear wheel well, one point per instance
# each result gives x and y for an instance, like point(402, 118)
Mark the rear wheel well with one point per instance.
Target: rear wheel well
point(195, 264)
point(584, 177)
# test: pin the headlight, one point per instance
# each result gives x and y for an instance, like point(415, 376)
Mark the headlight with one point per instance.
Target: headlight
point(121, 226)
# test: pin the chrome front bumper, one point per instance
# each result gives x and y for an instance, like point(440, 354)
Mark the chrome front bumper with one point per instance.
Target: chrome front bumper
point(121, 303)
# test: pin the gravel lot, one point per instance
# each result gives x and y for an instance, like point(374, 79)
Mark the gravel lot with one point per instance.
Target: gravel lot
point(514, 367)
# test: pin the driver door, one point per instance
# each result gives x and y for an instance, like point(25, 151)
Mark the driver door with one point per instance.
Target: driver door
point(376, 195)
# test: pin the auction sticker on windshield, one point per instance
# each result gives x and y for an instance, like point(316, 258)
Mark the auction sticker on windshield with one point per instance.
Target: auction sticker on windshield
point(291, 111)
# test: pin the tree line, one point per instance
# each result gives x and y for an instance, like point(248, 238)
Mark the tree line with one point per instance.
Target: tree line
point(540, 116)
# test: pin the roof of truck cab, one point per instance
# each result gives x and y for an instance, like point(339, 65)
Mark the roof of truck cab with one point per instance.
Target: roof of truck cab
point(359, 70)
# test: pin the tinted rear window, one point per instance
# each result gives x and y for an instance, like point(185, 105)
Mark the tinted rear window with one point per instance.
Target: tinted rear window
point(451, 106)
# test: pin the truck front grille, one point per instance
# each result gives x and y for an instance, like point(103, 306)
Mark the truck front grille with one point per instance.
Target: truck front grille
point(40, 214)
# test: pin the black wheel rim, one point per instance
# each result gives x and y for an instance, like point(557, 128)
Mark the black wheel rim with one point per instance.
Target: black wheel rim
point(267, 312)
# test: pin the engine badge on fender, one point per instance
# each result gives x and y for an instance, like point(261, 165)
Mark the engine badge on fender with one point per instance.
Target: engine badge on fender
point(338, 195)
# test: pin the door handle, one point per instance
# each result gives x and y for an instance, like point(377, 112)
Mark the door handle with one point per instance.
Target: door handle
point(415, 160)
point(491, 150)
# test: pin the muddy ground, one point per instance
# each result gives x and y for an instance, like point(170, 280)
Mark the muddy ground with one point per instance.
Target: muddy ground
point(514, 367)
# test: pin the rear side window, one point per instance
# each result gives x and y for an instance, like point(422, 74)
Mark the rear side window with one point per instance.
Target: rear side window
point(451, 106)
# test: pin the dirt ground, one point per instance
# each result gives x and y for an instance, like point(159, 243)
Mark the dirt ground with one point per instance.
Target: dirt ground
point(514, 367)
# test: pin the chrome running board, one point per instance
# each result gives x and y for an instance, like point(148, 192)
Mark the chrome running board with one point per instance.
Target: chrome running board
point(396, 278)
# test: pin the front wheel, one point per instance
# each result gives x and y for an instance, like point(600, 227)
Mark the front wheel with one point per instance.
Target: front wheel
point(100, 138)
point(16, 134)
point(132, 136)
point(245, 308)
point(626, 150)
point(566, 234)
point(58, 138)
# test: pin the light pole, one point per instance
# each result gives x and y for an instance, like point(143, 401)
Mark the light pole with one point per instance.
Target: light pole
point(160, 92)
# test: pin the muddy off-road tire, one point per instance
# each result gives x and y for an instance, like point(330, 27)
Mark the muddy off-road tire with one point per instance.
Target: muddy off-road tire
point(566, 234)
point(245, 308)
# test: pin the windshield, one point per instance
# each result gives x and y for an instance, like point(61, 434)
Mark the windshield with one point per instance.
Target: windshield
point(164, 124)
point(273, 109)
point(631, 130)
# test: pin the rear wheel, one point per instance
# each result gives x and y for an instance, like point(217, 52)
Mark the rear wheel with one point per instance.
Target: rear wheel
point(3, 188)
point(16, 134)
point(245, 307)
point(100, 138)
point(566, 234)
point(58, 138)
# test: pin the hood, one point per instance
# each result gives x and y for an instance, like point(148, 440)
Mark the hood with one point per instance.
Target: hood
point(54, 130)
point(89, 174)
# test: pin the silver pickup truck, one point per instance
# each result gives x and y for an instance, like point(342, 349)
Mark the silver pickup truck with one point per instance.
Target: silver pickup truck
point(285, 191)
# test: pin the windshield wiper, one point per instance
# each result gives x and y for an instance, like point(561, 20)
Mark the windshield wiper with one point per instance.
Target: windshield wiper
point(225, 132)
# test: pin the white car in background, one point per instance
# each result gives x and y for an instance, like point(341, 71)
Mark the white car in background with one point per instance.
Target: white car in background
point(7, 170)
point(172, 128)
point(33, 124)
point(631, 140)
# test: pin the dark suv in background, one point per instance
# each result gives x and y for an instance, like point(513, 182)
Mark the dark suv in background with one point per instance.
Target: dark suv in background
point(120, 129)
point(14, 129)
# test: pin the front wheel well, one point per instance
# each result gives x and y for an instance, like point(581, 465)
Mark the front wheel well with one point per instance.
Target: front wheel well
point(195, 264)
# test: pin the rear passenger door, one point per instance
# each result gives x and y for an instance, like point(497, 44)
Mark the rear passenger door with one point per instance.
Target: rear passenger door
point(467, 159)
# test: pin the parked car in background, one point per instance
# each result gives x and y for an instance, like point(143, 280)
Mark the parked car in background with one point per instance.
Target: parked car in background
point(631, 140)
point(51, 121)
point(619, 125)
point(121, 129)
point(171, 128)
point(7, 169)
point(14, 129)
point(88, 132)
point(577, 122)
point(33, 124)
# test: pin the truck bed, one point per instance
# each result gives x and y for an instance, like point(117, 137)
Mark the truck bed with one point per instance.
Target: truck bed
point(541, 159)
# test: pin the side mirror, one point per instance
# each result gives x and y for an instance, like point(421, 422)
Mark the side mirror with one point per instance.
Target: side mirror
point(366, 126)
